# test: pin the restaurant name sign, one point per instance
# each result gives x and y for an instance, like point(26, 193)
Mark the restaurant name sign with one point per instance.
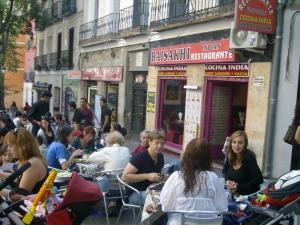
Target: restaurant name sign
point(201, 52)
point(103, 73)
point(172, 71)
point(230, 69)
point(256, 15)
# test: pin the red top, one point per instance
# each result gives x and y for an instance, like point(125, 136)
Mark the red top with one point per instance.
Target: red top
point(138, 149)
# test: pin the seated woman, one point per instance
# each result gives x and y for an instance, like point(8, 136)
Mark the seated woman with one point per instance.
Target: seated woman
point(194, 187)
point(114, 156)
point(86, 140)
point(23, 146)
point(241, 171)
point(46, 131)
point(58, 156)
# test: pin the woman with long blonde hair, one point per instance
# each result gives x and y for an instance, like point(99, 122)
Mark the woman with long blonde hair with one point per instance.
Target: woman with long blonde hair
point(241, 171)
point(24, 147)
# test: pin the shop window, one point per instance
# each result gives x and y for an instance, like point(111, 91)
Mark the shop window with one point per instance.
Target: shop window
point(112, 96)
point(172, 110)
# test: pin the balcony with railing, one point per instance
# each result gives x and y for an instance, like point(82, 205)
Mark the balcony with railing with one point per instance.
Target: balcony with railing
point(45, 62)
point(56, 11)
point(38, 63)
point(134, 20)
point(68, 7)
point(100, 30)
point(166, 14)
point(55, 61)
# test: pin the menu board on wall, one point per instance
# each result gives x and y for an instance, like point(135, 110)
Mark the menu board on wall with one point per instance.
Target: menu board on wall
point(151, 102)
point(192, 114)
point(97, 111)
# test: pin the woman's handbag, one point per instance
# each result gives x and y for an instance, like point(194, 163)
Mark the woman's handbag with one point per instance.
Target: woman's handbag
point(289, 137)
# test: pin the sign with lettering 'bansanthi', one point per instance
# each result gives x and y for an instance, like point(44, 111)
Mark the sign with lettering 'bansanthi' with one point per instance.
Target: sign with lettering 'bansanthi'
point(103, 73)
point(228, 69)
point(201, 52)
point(256, 15)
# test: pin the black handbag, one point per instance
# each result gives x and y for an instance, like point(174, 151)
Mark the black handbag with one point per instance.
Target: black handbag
point(289, 137)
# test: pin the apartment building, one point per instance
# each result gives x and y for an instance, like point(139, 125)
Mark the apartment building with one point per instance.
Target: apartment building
point(57, 61)
point(180, 65)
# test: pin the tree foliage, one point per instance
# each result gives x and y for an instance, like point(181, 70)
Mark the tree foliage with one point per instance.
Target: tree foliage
point(15, 18)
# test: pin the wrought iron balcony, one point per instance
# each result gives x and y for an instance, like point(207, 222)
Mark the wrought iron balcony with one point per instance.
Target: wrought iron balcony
point(171, 13)
point(68, 7)
point(46, 21)
point(134, 19)
point(45, 62)
point(55, 61)
point(37, 63)
point(66, 60)
point(100, 30)
point(56, 11)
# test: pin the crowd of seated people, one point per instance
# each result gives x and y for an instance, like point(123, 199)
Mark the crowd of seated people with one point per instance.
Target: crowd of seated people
point(193, 187)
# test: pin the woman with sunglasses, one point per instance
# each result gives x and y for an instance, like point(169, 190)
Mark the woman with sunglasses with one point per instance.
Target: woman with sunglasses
point(24, 147)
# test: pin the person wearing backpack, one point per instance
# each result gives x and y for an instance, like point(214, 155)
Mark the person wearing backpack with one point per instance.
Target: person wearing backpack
point(241, 170)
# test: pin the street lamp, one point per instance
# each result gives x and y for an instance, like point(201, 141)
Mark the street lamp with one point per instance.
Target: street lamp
point(3, 47)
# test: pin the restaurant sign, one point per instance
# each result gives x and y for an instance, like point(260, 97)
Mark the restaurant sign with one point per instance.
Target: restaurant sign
point(201, 52)
point(256, 15)
point(172, 71)
point(103, 73)
point(230, 70)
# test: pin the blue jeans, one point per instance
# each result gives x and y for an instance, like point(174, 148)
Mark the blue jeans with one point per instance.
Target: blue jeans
point(104, 183)
point(134, 198)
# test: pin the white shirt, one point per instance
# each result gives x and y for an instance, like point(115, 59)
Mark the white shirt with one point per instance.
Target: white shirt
point(209, 196)
point(114, 157)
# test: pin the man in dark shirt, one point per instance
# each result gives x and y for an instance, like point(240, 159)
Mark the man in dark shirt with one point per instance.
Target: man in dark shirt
point(145, 167)
point(78, 117)
point(105, 116)
point(39, 109)
point(86, 112)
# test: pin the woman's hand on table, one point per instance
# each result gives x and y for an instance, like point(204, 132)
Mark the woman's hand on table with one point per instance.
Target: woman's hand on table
point(154, 177)
point(77, 152)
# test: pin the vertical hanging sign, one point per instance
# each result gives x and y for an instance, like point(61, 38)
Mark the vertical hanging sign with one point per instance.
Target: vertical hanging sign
point(256, 15)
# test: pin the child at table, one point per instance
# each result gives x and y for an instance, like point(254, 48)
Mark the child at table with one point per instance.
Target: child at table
point(6, 159)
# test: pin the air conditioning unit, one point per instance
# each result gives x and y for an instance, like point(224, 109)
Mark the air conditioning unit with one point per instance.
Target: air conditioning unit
point(246, 39)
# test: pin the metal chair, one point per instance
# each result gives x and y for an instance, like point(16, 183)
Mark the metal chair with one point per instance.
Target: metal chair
point(123, 187)
point(113, 186)
point(197, 217)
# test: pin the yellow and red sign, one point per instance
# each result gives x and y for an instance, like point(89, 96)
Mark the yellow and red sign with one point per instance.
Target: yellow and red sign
point(227, 70)
point(256, 15)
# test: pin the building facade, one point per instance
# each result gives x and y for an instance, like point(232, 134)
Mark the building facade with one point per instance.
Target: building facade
point(197, 85)
point(114, 58)
point(57, 60)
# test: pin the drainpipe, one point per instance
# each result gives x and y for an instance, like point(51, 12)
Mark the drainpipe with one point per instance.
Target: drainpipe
point(269, 146)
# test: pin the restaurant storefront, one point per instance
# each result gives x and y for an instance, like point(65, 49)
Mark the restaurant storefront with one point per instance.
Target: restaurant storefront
point(108, 78)
point(202, 89)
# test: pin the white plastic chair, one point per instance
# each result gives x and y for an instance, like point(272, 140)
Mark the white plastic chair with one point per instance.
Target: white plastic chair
point(113, 186)
point(197, 217)
point(125, 200)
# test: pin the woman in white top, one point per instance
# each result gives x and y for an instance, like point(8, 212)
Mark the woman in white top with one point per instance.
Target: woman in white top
point(195, 187)
point(114, 156)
